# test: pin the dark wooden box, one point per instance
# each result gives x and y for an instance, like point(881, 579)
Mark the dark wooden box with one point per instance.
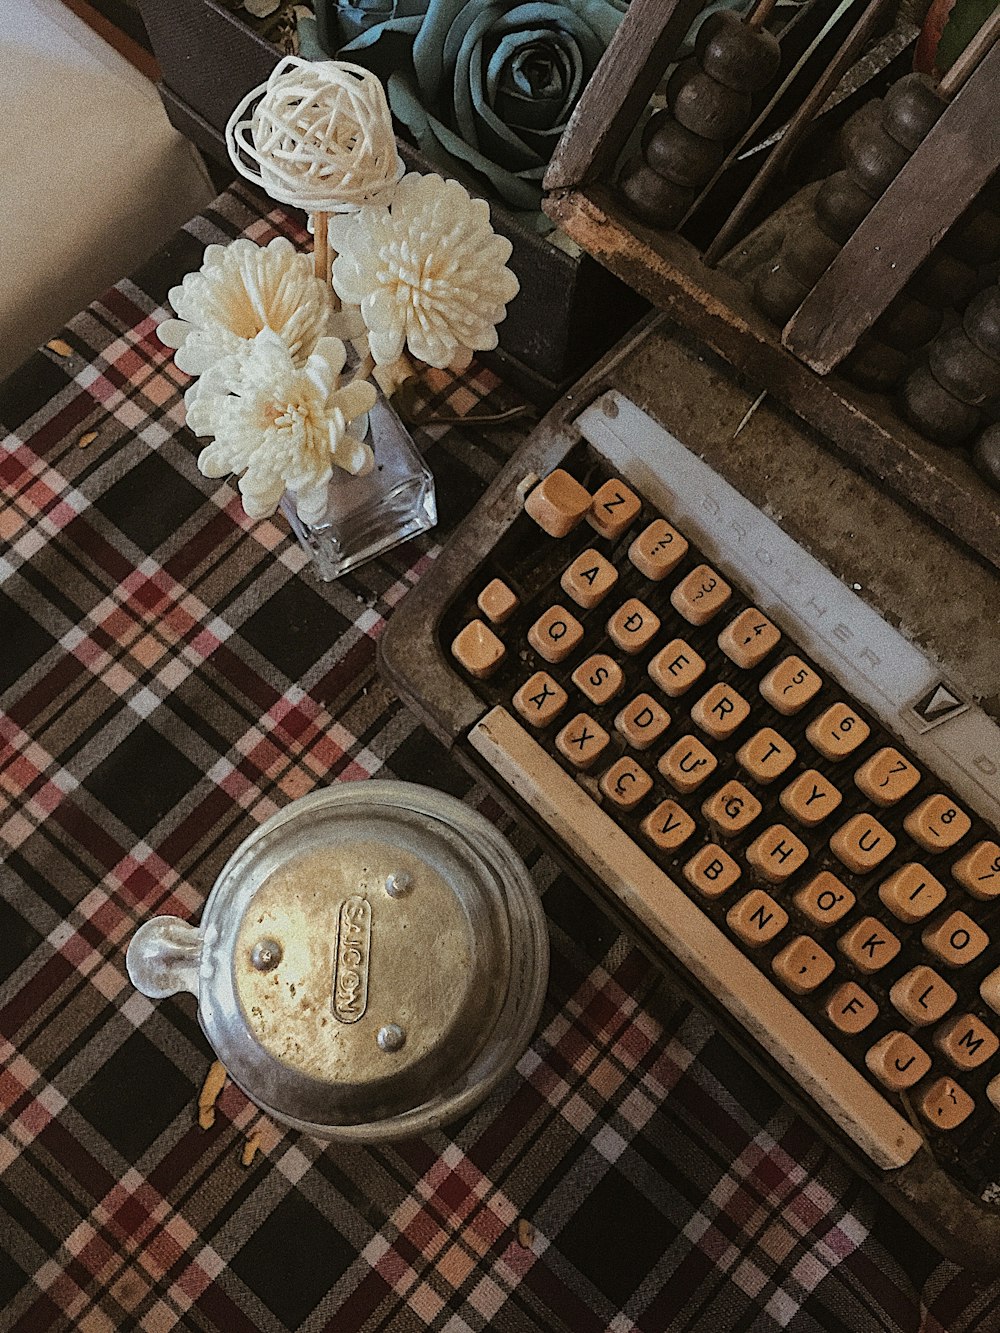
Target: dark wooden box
point(570, 308)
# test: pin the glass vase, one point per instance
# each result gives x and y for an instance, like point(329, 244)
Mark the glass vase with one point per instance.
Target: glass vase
point(368, 515)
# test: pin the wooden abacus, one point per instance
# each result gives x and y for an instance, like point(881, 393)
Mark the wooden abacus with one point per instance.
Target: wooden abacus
point(709, 103)
point(876, 227)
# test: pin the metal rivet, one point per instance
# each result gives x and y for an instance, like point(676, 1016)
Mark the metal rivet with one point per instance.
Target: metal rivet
point(398, 883)
point(390, 1037)
point(265, 955)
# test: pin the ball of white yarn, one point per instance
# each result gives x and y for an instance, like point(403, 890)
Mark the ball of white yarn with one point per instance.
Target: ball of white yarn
point(319, 136)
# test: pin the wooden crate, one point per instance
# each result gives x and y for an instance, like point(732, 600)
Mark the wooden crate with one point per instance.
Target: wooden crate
point(570, 308)
point(716, 308)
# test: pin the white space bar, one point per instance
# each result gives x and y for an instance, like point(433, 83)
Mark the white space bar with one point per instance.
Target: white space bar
point(653, 897)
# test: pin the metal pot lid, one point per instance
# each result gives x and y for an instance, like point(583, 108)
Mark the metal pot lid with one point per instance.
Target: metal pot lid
point(371, 960)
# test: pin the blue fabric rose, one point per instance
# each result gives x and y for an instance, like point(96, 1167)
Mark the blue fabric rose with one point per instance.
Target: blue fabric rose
point(482, 86)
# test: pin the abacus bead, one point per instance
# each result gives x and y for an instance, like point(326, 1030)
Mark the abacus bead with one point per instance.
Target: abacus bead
point(873, 159)
point(807, 252)
point(944, 281)
point(706, 107)
point(907, 323)
point(975, 237)
point(960, 367)
point(676, 153)
point(841, 205)
point(651, 197)
point(982, 321)
point(875, 365)
point(910, 110)
point(936, 413)
point(777, 293)
point(736, 55)
point(986, 454)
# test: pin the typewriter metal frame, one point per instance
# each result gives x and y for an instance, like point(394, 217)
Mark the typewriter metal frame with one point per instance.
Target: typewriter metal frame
point(414, 664)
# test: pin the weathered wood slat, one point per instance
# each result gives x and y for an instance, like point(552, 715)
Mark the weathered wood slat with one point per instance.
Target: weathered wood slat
point(934, 187)
point(622, 84)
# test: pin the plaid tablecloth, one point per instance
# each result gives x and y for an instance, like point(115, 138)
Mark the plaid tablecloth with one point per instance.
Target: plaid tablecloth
point(173, 674)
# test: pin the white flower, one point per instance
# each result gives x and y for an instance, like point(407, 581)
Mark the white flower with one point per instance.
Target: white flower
point(280, 426)
point(428, 271)
point(318, 135)
point(241, 289)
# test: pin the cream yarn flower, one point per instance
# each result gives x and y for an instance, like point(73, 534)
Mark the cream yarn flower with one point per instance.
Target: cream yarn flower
point(280, 426)
point(241, 289)
point(319, 136)
point(428, 271)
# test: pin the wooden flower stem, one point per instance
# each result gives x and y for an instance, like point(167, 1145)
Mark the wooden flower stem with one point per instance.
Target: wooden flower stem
point(321, 246)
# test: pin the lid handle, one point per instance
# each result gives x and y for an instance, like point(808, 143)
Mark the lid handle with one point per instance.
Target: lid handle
point(164, 957)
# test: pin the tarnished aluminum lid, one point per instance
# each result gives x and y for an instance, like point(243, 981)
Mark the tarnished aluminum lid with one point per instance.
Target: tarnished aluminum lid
point(371, 960)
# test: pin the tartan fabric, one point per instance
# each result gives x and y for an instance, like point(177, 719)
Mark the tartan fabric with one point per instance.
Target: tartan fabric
point(173, 674)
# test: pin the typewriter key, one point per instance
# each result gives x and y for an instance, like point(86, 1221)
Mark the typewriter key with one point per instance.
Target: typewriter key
point(735, 54)
point(936, 413)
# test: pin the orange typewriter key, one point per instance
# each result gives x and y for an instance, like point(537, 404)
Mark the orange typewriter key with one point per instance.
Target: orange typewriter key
point(555, 634)
point(700, 595)
point(612, 509)
point(756, 918)
point(897, 1061)
point(850, 1008)
point(945, 1105)
point(937, 823)
point(642, 721)
point(497, 602)
point(558, 503)
point(540, 700)
point(790, 685)
point(599, 678)
point(869, 945)
point(749, 638)
point(978, 871)
point(668, 826)
point(589, 578)
point(582, 740)
point(676, 667)
point(732, 808)
point(712, 871)
point(478, 650)
point(803, 965)
point(625, 783)
point(887, 776)
point(838, 731)
point(633, 625)
point(657, 550)
point(862, 843)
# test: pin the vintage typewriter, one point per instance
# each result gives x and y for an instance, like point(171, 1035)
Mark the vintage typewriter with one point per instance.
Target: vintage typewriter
point(725, 633)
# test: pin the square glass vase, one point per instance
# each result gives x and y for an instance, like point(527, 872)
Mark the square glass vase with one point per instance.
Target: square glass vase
point(368, 515)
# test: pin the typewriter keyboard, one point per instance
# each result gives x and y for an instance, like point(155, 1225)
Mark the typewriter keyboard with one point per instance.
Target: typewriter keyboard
point(795, 856)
